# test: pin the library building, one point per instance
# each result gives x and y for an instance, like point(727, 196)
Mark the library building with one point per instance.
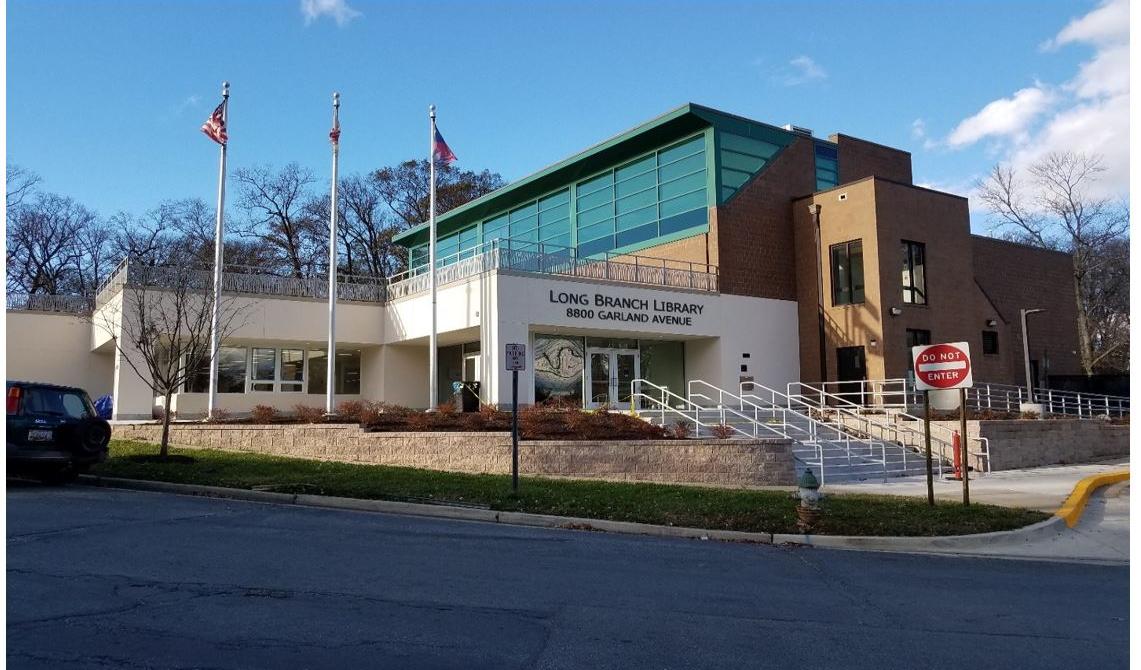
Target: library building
point(697, 247)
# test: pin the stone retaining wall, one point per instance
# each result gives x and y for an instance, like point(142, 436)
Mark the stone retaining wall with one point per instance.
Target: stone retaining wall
point(1028, 443)
point(720, 462)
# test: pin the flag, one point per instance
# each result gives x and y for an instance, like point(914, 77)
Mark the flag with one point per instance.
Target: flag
point(443, 151)
point(335, 133)
point(215, 126)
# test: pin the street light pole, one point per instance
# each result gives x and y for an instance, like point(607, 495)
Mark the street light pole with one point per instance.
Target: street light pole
point(1023, 313)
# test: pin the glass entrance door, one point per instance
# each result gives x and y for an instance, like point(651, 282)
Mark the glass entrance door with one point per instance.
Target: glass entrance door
point(610, 372)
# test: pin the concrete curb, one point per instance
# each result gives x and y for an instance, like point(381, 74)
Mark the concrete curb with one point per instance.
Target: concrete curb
point(1071, 511)
point(915, 544)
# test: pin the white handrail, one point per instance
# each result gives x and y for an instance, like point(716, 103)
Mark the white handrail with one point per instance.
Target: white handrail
point(945, 444)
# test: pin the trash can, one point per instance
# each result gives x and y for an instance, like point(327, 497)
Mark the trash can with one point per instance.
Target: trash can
point(470, 396)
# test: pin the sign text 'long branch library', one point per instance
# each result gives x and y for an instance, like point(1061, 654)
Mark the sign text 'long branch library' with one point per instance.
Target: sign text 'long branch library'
point(640, 310)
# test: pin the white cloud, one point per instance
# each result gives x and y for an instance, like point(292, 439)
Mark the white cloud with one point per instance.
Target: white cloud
point(1107, 24)
point(1003, 118)
point(339, 10)
point(1088, 113)
point(189, 102)
point(799, 70)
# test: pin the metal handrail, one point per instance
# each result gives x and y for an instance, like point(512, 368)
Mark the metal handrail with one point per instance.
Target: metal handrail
point(867, 423)
point(812, 437)
point(48, 302)
point(1009, 397)
point(241, 279)
point(545, 258)
point(874, 392)
point(664, 406)
point(945, 444)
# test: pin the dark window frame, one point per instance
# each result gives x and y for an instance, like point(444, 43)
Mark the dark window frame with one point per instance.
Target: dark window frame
point(914, 293)
point(990, 351)
point(839, 291)
point(914, 335)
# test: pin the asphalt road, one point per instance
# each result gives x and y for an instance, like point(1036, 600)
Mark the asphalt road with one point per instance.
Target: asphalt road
point(101, 578)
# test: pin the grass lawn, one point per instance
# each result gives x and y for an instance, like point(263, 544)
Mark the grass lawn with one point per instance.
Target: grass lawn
point(700, 507)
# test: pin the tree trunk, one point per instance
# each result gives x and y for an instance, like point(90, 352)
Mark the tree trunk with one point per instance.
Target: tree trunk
point(164, 447)
point(1083, 327)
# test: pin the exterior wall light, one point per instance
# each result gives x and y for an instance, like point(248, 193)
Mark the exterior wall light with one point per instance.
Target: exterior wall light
point(991, 323)
point(895, 311)
point(873, 342)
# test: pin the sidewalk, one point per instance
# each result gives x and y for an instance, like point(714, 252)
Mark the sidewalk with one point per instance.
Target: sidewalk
point(1101, 536)
point(1044, 488)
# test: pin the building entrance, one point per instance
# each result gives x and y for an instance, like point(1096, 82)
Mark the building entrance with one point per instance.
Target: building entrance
point(608, 376)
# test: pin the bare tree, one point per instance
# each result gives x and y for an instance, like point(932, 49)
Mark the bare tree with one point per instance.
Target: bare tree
point(21, 184)
point(277, 204)
point(1059, 212)
point(370, 227)
point(405, 188)
point(43, 255)
point(161, 329)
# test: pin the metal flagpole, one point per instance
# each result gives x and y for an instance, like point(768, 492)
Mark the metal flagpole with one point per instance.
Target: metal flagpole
point(433, 394)
point(218, 247)
point(331, 359)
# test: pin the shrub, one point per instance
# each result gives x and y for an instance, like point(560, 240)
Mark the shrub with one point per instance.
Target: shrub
point(263, 414)
point(219, 415)
point(722, 431)
point(446, 408)
point(681, 429)
point(418, 421)
point(369, 414)
point(351, 410)
point(308, 413)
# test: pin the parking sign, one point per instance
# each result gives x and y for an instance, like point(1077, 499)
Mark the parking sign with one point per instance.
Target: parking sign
point(516, 357)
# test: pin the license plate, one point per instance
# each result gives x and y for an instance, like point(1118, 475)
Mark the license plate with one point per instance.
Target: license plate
point(40, 436)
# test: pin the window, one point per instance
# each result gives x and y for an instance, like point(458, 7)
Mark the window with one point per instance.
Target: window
point(263, 368)
point(847, 273)
point(990, 342)
point(914, 273)
point(347, 375)
point(917, 338)
point(232, 370)
point(292, 370)
point(827, 167)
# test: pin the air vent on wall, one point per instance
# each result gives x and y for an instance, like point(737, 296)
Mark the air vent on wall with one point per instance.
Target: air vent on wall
point(843, 197)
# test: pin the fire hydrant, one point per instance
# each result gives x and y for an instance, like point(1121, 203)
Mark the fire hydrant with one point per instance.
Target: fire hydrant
point(808, 511)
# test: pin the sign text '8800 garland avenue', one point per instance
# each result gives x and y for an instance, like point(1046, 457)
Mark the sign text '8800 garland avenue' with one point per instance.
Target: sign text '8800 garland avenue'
point(603, 307)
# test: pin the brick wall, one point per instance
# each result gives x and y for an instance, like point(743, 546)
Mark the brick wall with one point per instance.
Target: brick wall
point(1015, 276)
point(861, 158)
point(754, 230)
point(719, 462)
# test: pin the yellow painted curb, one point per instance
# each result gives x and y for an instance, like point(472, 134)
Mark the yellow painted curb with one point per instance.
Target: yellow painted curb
point(1072, 509)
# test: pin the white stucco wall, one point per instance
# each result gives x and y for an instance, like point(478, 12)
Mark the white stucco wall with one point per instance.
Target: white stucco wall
point(717, 329)
point(56, 348)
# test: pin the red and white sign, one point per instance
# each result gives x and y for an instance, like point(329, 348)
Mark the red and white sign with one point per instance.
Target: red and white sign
point(939, 367)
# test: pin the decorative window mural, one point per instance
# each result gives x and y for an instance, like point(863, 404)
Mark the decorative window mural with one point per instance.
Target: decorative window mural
point(558, 368)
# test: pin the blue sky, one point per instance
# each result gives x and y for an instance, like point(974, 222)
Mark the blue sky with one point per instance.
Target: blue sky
point(104, 99)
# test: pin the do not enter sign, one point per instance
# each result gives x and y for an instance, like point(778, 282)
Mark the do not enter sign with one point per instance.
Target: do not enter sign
point(939, 367)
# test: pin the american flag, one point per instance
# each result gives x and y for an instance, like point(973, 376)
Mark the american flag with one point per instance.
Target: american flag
point(215, 126)
point(335, 133)
point(443, 151)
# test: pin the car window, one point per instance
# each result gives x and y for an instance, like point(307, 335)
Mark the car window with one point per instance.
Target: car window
point(56, 402)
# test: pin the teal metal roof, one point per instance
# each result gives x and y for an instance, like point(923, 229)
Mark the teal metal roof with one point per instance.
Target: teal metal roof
point(674, 124)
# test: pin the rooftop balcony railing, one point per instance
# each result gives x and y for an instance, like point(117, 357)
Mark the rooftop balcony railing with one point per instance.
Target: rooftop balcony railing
point(43, 302)
point(242, 279)
point(553, 259)
point(500, 254)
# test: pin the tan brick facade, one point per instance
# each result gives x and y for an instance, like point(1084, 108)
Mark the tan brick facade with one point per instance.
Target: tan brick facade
point(970, 282)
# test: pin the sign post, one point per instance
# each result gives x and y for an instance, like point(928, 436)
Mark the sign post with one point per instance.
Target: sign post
point(515, 359)
point(943, 367)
